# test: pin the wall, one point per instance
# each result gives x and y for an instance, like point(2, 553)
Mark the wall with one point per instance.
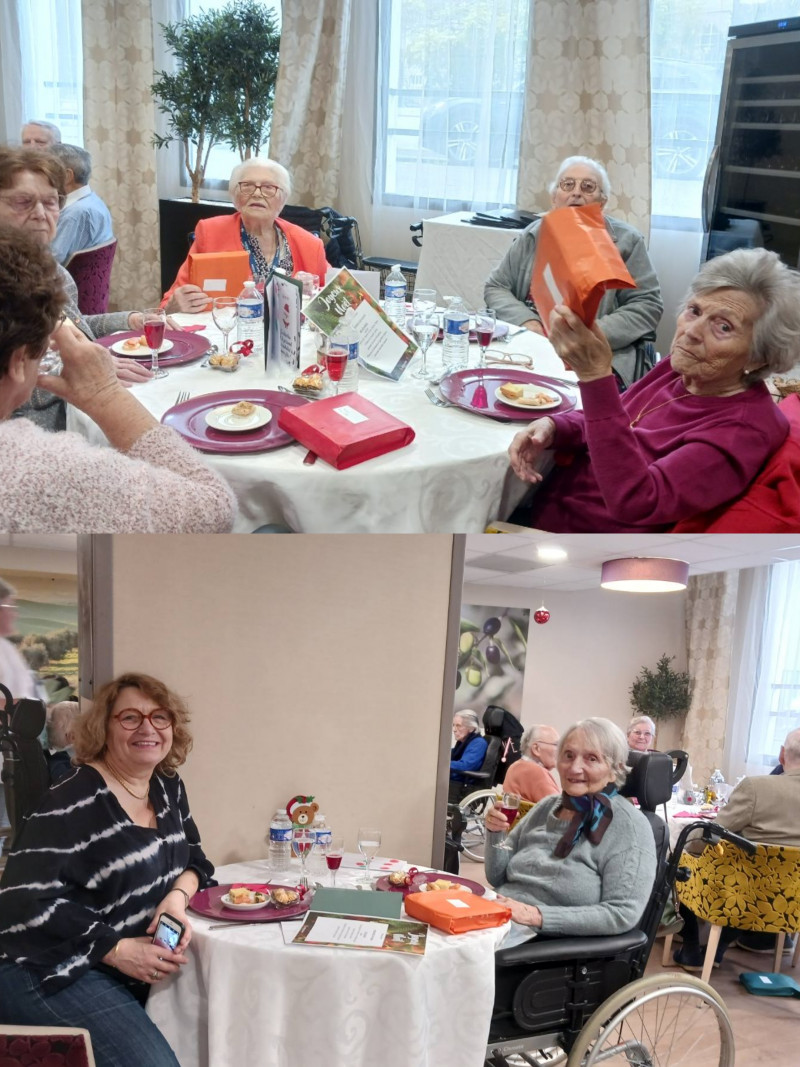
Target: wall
point(583, 660)
point(312, 665)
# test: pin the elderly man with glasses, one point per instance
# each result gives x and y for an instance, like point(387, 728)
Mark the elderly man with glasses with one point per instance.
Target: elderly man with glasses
point(626, 316)
point(259, 189)
point(531, 777)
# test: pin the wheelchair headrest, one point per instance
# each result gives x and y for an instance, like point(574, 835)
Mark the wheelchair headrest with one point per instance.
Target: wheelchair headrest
point(649, 780)
point(25, 718)
point(499, 722)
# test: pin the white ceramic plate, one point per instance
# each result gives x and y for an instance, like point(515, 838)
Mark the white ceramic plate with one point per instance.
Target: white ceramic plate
point(140, 350)
point(222, 419)
point(529, 390)
point(226, 900)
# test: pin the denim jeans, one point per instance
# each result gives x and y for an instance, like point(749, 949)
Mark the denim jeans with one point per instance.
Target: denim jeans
point(122, 1034)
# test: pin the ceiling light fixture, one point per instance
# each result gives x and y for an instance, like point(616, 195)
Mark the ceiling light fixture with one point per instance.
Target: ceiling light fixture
point(551, 553)
point(644, 574)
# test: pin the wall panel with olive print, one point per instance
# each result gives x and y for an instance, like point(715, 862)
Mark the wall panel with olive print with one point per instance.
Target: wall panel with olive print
point(491, 661)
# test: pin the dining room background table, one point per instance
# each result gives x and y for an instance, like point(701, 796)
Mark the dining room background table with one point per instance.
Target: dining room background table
point(453, 478)
point(246, 997)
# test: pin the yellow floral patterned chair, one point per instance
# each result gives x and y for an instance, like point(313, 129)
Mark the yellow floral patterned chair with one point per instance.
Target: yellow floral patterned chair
point(729, 888)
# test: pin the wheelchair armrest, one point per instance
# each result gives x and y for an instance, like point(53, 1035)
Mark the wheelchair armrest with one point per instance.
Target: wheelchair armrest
point(553, 949)
point(477, 776)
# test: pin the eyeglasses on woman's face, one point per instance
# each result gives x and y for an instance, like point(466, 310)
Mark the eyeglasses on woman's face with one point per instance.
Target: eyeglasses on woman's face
point(644, 735)
point(24, 204)
point(266, 189)
point(131, 718)
point(588, 186)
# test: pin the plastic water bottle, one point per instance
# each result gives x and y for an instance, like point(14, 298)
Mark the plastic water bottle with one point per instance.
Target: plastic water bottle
point(344, 339)
point(250, 306)
point(280, 844)
point(455, 350)
point(394, 303)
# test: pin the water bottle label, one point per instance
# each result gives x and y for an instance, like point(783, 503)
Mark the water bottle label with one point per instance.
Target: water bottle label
point(324, 836)
point(395, 292)
point(280, 834)
point(351, 349)
point(457, 326)
point(252, 312)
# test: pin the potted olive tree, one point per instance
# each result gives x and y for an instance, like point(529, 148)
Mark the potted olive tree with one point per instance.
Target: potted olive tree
point(662, 693)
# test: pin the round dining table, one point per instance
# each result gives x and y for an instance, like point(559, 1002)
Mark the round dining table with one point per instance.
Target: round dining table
point(454, 477)
point(247, 996)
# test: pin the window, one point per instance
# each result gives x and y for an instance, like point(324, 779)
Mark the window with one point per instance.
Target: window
point(451, 93)
point(52, 64)
point(688, 43)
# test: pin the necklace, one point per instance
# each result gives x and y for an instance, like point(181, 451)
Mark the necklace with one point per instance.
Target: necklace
point(123, 784)
point(647, 411)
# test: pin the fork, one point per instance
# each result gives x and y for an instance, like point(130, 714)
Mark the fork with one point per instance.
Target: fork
point(182, 397)
point(437, 400)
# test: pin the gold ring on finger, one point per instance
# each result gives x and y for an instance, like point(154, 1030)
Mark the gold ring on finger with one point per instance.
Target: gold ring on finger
point(155, 976)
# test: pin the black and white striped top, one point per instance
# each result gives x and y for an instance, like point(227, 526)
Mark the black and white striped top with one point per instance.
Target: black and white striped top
point(83, 875)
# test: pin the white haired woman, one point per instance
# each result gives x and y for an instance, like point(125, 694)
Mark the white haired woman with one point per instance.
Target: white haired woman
point(625, 315)
point(694, 432)
point(641, 733)
point(470, 748)
point(259, 189)
point(583, 862)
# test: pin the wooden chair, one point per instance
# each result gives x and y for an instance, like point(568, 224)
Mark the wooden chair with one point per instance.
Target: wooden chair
point(42, 1044)
point(91, 271)
point(726, 887)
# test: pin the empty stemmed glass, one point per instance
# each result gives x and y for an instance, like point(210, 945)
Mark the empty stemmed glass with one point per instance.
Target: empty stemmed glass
point(509, 806)
point(302, 842)
point(154, 324)
point(425, 328)
point(225, 313)
point(485, 321)
point(424, 301)
point(369, 841)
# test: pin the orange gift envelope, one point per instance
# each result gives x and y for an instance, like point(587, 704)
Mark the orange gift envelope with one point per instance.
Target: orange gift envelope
point(456, 913)
point(346, 429)
point(576, 261)
point(220, 273)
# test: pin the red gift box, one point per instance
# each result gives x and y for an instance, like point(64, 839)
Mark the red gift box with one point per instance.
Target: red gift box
point(346, 429)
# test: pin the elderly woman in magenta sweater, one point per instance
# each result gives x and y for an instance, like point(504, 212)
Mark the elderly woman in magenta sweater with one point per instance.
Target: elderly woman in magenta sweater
point(259, 189)
point(690, 435)
point(582, 862)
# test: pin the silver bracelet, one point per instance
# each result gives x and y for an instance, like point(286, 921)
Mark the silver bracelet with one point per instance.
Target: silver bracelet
point(177, 889)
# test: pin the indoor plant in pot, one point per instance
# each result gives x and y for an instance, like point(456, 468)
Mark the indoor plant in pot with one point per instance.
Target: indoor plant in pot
point(662, 693)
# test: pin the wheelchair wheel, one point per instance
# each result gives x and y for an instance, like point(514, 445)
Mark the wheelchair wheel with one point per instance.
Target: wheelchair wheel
point(666, 1020)
point(473, 808)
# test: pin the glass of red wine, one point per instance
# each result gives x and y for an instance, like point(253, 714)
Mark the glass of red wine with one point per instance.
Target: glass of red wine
point(303, 841)
point(485, 322)
point(509, 806)
point(336, 362)
point(334, 852)
point(155, 322)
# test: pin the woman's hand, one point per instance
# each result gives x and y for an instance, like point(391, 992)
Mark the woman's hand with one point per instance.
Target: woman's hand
point(88, 374)
point(131, 371)
point(524, 914)
point(136, 321)
point(496, 821)
point(139, 958)
point(174, 904)
point(584, 350)
point(190, 299)
point(527, 447)
point(535, 327)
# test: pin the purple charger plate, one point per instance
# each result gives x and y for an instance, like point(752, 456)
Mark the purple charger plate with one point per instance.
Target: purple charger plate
point(459, 388)
point(208, 902)
point(422, 878)
point(189, 419)
point(185, 346)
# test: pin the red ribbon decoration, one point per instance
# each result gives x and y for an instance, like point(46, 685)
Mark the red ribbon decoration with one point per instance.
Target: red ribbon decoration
point(242, 348)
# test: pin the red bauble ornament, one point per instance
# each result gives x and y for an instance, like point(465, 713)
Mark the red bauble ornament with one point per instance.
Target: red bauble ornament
point(541, 616)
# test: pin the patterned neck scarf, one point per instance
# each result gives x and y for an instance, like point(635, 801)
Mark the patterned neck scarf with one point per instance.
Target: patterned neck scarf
point(593, 815)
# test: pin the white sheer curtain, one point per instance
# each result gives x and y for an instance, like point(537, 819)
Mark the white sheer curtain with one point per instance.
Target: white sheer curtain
point(450, 96)
point(52, 64)
point(745, 660)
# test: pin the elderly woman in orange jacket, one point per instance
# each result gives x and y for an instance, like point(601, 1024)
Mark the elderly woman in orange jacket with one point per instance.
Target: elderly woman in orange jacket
point(259, 188)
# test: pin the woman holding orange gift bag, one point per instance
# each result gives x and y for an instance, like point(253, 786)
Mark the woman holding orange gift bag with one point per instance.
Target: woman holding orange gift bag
point(625, 316)
point(582, 862)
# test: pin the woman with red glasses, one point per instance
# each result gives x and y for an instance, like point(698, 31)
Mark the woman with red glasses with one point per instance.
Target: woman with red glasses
point(111, 847)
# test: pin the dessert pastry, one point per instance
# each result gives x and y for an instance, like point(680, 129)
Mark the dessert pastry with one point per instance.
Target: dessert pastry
point(243, 410)
point(241, 895)
point(512, 391)
point(444, 883)
point(285, 897)
point(310, 382)
point(537, 400)
point(220, 360)
point(133, 344)
point(399, 878)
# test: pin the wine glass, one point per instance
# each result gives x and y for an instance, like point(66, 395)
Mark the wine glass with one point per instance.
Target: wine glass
point(225, 313)
point(336, 362)
point(425, 329)
point(424, 301)
point(369, 841)
point(485, 321)
point(334, 852)
point(303, 841)
point(155, 322)
point(509, 806)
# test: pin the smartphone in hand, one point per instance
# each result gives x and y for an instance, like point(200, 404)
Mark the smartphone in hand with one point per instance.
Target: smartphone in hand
point(168, 932)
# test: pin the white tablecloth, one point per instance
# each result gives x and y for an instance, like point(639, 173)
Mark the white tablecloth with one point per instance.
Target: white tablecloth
point(453, 478)
point(457, 257)
point(246, 998)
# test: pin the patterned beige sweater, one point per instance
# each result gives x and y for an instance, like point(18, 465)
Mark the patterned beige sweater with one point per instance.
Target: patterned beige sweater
point(59, 483)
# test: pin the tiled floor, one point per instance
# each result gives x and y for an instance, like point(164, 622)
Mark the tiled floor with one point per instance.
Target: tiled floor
point(766, 1029)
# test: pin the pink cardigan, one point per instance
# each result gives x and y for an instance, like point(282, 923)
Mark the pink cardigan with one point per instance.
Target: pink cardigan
point(59, 483)
point(223, 234)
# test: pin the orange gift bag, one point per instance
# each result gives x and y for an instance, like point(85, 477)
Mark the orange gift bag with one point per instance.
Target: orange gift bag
point(576, 261)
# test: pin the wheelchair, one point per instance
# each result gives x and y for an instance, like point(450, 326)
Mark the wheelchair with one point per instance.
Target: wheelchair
point(582, 1001)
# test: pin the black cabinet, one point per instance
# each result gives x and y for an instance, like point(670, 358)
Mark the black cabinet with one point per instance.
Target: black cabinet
point(753, 185)
point(176, 222)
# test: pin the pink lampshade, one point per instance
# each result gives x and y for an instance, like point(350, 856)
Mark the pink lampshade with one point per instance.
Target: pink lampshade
point(645, 574)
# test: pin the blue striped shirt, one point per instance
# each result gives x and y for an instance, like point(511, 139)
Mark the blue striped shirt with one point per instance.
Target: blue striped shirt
point(84, 223)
